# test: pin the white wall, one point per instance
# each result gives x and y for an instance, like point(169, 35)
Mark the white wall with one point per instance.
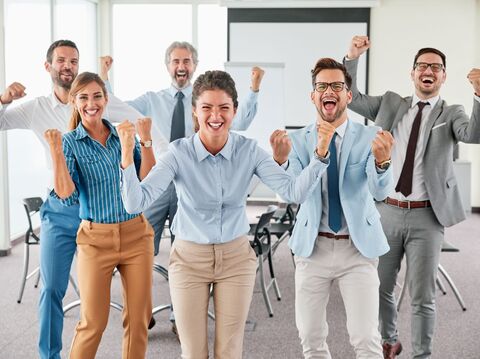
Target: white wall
point(400, 27)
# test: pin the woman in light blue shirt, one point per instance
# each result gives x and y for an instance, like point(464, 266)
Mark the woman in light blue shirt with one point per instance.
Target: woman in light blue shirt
point(87, 171)
point(212, 170)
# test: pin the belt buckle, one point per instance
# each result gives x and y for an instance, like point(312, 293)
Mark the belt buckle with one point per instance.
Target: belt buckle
point(409, 206)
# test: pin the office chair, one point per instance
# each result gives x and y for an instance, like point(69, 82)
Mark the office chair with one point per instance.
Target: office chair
point(262, 245)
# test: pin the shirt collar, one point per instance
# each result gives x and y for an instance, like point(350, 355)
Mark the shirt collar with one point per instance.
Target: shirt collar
point(340, 130)
point(81, 132)
point(432, 100)
point(202, 152)
point(55, 102)
point(187, 91)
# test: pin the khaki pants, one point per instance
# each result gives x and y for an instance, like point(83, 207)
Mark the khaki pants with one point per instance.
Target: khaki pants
point(127, 246)
point(231, 268)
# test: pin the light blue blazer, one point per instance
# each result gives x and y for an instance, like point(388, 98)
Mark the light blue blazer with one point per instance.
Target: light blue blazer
point(359, 185)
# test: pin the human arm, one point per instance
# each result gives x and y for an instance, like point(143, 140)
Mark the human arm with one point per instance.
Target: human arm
point(380, 181)
point(247, 108)
point(138, 196)
point(63, 184)
point(143, 127)
point(18, 117)
point(363, 104)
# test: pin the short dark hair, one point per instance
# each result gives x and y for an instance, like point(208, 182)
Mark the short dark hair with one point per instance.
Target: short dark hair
point(215, 80)
point(327, 63)
point(430, 50)
point(59, 43)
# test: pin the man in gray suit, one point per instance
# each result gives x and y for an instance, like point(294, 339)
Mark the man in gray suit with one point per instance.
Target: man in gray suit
point(426, 197)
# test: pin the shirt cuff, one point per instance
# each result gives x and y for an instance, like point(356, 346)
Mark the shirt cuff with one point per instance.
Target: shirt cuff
point(325, 159)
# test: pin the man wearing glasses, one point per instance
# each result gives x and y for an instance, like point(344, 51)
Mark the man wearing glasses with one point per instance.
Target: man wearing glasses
point(338, 236)
point(426, 198)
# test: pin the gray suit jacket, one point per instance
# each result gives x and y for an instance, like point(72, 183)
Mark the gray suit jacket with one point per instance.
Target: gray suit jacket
point(447, 125)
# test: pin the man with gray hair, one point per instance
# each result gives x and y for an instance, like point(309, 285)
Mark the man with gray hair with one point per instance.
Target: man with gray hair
point(171, 113)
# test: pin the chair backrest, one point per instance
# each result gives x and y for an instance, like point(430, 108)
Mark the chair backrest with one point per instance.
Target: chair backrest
point(264, 221)
point(32, 205)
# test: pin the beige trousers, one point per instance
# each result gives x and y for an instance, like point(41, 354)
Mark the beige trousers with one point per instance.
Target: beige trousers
point(101, 248)
point(231, 268)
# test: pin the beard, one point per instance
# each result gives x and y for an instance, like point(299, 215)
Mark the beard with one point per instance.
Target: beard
point(57, 78)
point(332, 117)
point(181, 82)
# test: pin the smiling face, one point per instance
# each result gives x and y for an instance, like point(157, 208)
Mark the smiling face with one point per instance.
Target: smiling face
point(214, 111)
point(64, 66)
point(90, 101)
point(181, 67)
point(428, 83)
point(331, 106)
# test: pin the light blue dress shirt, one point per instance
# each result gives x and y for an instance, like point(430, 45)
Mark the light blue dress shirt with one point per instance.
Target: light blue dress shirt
point(160, 105)
point(212, 190)
point(95, 170)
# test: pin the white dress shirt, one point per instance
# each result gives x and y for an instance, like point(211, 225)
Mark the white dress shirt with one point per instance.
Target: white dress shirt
point(401, 133)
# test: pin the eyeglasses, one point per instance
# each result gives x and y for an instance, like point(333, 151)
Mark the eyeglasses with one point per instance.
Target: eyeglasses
point(423, 66)
point(335, 86)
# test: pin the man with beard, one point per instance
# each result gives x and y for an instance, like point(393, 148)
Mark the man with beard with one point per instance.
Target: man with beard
point(59, 224)
point(426, 198)
point(337, 235)
point(171, 113)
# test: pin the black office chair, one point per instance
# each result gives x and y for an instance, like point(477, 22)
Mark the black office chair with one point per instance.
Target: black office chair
point(32, 206)
point(262, 245)
point(446, 247)
point(283, 226)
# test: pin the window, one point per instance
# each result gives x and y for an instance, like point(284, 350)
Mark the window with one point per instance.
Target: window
point(24, 58)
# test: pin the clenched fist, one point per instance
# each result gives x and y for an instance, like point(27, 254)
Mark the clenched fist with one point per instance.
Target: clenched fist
point(144, 127)
point(382, 146)
point(358, 46)
point(474, 78)
point(54, 140)
point(281, 146)
point(126, 133)
point(105, 66)
point(325, 131)
point(13, 92)
point(257, 76)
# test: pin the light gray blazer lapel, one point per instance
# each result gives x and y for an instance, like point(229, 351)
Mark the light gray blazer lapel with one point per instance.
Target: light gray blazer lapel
point(402, 110)
point(434, 115)
point(347, 144)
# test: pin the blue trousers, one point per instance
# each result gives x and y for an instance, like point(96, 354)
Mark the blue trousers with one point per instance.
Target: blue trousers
point(59, 225)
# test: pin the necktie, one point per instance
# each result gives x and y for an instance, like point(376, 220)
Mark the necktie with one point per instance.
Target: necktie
point(334, 205)
point(178, 118)
point(404, 184)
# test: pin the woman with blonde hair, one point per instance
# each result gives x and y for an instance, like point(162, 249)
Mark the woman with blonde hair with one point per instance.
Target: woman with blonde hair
point(87, 171)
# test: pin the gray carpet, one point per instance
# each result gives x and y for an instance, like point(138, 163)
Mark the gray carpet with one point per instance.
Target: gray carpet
point(456, 331)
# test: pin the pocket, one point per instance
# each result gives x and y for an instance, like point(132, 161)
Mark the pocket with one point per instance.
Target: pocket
point(99, 238)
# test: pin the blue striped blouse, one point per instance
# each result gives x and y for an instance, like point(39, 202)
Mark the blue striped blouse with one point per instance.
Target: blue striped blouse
point(95, 170)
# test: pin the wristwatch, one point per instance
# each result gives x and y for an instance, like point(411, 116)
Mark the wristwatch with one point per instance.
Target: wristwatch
point(384, 165)
point(146, 144)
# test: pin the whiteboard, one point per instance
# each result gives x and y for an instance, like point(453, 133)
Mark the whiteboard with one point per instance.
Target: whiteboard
point(298, 46)
point(271, 99)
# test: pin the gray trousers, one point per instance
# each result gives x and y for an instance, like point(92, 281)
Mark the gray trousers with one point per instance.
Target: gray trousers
point(417, 234)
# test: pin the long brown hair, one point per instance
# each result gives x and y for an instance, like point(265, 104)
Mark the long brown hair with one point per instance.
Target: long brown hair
point(78, 84)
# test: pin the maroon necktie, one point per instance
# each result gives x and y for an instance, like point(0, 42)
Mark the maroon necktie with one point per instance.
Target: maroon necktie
point(404, 184)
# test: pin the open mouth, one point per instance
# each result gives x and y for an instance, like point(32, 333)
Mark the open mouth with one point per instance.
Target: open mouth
point(427, 80)
point(91, 112)
point(329, 103)
point(181, 75)
point(215, 125)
